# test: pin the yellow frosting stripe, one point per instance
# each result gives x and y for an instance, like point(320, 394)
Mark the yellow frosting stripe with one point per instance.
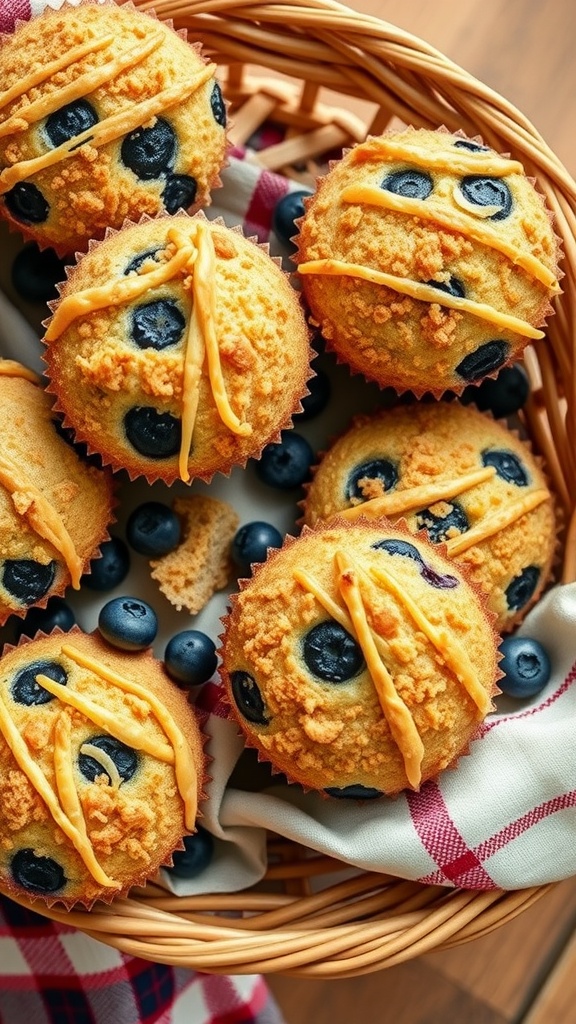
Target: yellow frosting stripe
point(126, 732)
point(12, 368)
point(195, 351)
point(450, 219)
point(69, 800)
point(402, 725)
point(456, 160)
point(181, 755)
point(38, 780)
point(81, 86)
point(106, 762)
point(115, 293)
point(47, 71)
point(492, 524)
point(450, 650)
point(108, 130)
point(422, 292)
point(397, 502)
point(308, 583)
point(44, 519)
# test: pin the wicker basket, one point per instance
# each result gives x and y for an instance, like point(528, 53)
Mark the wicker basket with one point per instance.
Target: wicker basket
point(292, 64)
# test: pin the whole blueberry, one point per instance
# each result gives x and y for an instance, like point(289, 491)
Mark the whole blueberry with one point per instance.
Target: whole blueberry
point(217, 105)
point(179, 192)
point(251, 543)
point(314, 403)
point(27, 204)
point(25, 690)
point(26, 579)
point(248, 698)
point(36, 272)
point(158, 324)
point(125, 758)
point(483, 191)
point(287, 210)
point(526, 666)
point(149, 151)
point(331, 652)
point(111, 568)
point(37, 873)
point(484, 360)
point(156, 435)
point(56, 615)
point(153, 529)
point(196, 856)
point(69, 121)
point(508, 466)
point(411, 183)
point(128, 623)
point(190, 658)
point(382, 470)
point(503, 395)
point(285, 464)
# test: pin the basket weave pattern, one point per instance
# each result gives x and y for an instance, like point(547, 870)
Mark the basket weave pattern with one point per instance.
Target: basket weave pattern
point(276, 61)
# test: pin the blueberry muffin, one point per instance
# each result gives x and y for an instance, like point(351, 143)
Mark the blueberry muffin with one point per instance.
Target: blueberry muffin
point(458, 474)
point(102, 767)
point(178, 348)
point(54, 508)
point(428, 260)
point(107, 114)
point(358, 660)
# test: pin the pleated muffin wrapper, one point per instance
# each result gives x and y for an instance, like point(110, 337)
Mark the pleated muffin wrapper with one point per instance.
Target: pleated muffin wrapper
point(224, 451)
point(79, 241)
point(175, 700)
point(250, 738)
point(389, 378)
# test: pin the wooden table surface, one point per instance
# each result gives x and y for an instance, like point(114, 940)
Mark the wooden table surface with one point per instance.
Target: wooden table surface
point(525, 972)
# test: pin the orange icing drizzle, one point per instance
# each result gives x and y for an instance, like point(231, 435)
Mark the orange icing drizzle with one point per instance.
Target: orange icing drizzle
point(496, 522)
point(11, 368)
point(43, 74)
point(453, 161)
point(397, 502)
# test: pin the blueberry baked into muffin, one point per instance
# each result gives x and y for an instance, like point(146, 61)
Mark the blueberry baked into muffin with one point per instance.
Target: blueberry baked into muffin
point(106, 113)
point(178, 348)
point(101, 769)
point(55, 509)
point(358, 660)
point(458, 474)
point(427, 259)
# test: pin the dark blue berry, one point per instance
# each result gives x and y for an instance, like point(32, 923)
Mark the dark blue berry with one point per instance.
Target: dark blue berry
point(190, 657)
point(149, 152)
point(128, 623)
point(488, 192)
point(69, 121)
point(153, 529)
point(156, 435)
point(520, 591)
point(111, 568)
point(526, 667)
point(484, 360)
point(382, 470)
point(27, 204)
point(354, 792)
point(196, 856)
point(251, 544)
point(36, 873)
point(453, 286)
point(249, 700)
point(407, 550)
point(331, 652)
point(56, 615)
point(157, 324)
point(217, 105)
point(179, 193)
point(314, 403)
point(142, 257)
point(503, 395)
point(24, 688)
point(413, 184)
point(36, 272)
point(287, 210)
point(286, 464)
point(125, 758)
point(440, 528)
point(27, 580)
point(507, 465)
point(474, 147)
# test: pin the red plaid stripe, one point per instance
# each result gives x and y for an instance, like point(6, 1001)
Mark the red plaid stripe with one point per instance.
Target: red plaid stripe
point(11, 11)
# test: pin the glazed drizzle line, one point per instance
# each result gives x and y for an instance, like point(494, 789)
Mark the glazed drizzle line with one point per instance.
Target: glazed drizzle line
point(43, 74)
point(12, 368)
point(452, 161)
point(397, 502)
point(496, 522)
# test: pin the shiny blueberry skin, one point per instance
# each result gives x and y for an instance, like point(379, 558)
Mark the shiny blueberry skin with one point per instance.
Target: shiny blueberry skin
point(331, 653)
point(149, 152)
point(354, 792)
point(474, 147)
point(36, 272)
point(503, 395)
point(285, 464)
point(156, 435)
point(217, 105)
point(484, 360)
point(56, 615)
point(248, 698)
point(128, 623)
point(27, 204)
point(69, 121)
point(313, 404)
point(24, 688)
point(125, 758)
point(453, 286)
point(521, 590)
point(153, 529)
point(413, 184)
point(288, 209)
point(196, 856)
point(440, 528)
point(403, 547)
point(251, 542)
point(37, 874)
point(190, 658)
point(507, 465)
point(158, 324)
point(526, 667)
point(484, 191)
point(142, 257)
point(382, 470)
point(179, 192)
point(111, 568)
point(27, 580)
